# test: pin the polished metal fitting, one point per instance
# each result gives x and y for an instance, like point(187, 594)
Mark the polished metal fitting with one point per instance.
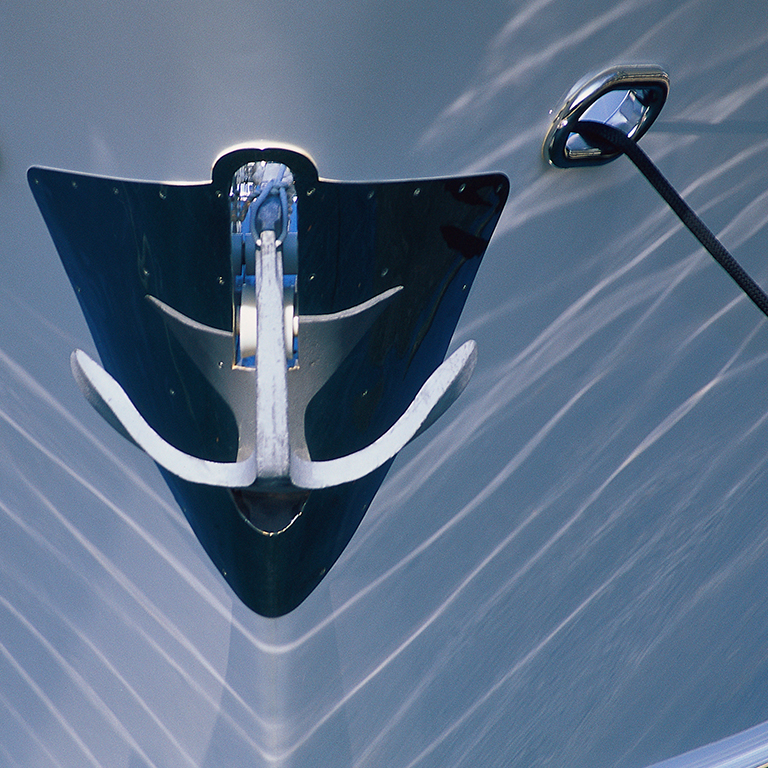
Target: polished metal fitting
point(628, 98)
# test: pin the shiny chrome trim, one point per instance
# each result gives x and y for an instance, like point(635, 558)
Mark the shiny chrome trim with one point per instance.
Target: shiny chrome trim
point(646, 85)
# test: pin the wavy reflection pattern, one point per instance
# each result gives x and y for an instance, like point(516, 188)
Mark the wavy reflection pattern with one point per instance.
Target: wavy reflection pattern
point(572, 569)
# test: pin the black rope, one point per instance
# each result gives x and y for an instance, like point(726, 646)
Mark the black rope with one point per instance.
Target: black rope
point(602, 135)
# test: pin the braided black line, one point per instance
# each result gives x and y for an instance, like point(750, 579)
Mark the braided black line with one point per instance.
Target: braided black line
point(601, 134)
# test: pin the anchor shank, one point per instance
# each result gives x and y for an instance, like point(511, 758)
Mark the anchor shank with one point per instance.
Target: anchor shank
point(272, 441)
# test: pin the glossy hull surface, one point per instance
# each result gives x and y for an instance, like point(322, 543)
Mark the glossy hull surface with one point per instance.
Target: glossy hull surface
point(568, 569)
